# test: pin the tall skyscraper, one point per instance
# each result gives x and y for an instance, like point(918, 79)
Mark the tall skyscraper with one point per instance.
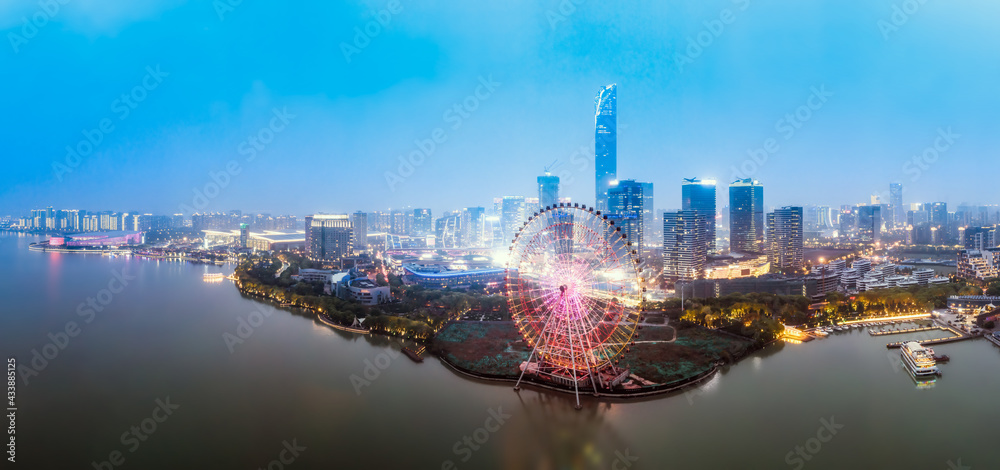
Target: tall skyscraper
point(869, 224)
point(331, 237)
point(512, 215)
point(472, 226)
point(308, 230)
point(896, 205)
point(784, 238)
point(423, 223)
point(398, 223)
point(244, 235)
point(548, 190)
point(448, 230)
point(699, 195)
point(684, 252)
point(746, 216)
point(360, 222)
point(606, 143)
point(625, 207)
point(938, 212)
point(649, 221)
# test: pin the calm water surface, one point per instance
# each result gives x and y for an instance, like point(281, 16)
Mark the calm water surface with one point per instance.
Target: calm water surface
point(162, 337)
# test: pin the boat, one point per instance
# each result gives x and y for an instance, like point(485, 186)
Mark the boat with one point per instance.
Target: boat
point(918, 361)
point(941, 358)
point(213, 276)
point(355, 327)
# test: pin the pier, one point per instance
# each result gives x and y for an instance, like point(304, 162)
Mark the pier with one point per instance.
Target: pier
point(414, 355)
point(930, 342)
point(905, 330)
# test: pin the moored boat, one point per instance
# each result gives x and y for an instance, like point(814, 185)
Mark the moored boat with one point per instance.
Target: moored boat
point(918, 361)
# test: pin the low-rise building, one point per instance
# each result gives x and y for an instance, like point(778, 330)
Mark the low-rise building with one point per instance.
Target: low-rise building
point(979, 265)
point(440, 277)
point(315, 275)
point(970, 303)
point(349, 285)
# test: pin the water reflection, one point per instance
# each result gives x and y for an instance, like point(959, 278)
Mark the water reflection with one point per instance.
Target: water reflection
point(560, 437)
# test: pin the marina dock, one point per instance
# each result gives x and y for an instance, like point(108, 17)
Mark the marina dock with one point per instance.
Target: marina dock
point(930, 342)
point(906, 330)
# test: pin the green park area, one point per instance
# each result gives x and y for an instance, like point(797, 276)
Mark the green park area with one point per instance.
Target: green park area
point(661, 354)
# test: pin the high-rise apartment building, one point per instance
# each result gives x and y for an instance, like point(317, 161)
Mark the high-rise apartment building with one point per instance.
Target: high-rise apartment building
point(684, 248)
point(784, 239)
point(331, 237)
point(512, 215)
point(472, 226)
point(360, 222)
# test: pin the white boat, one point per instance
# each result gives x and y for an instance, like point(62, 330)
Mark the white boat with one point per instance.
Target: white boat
point(919, 362)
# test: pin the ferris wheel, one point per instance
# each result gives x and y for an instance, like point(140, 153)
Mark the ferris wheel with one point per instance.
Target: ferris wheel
point(574, 292)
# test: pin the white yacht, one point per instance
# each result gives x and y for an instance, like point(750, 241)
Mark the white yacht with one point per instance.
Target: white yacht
point(918, 360)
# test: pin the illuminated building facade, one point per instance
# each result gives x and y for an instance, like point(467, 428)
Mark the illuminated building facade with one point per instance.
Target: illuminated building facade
point(684, 249)
point(605, 143)
point(784, 238)
point(625, 208)
point(746, 216)
point(331, 237)
point(699, 195)
point(548, 190)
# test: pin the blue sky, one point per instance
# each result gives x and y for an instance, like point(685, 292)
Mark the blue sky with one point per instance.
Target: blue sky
point(683, 112)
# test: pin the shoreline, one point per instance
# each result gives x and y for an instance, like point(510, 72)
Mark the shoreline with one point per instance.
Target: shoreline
point(642, 392)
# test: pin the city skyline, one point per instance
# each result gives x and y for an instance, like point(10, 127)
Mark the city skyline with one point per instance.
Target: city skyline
point(861, 132)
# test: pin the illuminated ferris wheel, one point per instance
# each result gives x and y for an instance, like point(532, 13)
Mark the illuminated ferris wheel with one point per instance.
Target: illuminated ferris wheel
point(575, 294)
